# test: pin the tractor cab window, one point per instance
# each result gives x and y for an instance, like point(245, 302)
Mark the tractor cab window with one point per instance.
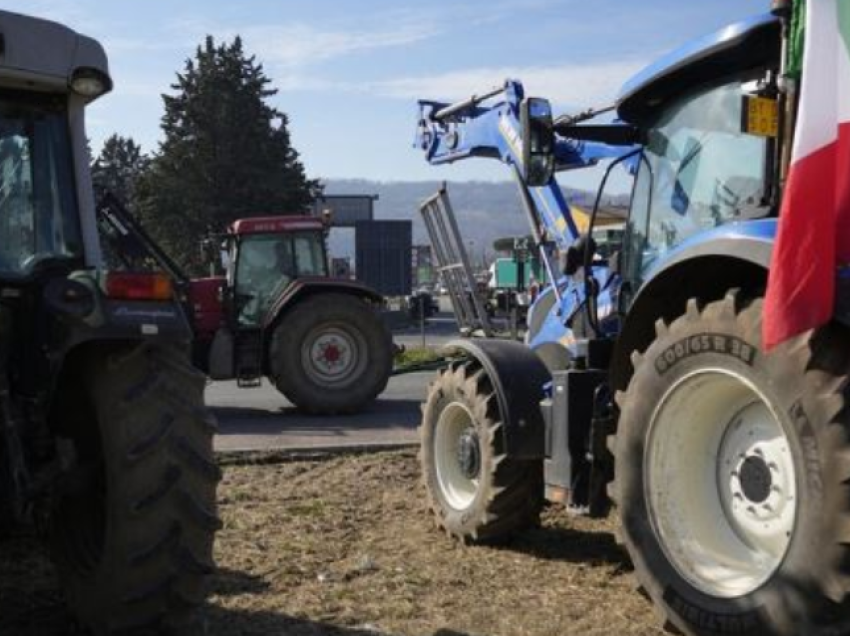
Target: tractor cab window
point(264, 268)
point(268, 263)
point(699, 171)
point(309, 254)
point(38, 212)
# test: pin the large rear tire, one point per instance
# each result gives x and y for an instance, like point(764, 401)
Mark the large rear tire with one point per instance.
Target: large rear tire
point(331, 354)
point(475, 490)
point(134, 520)
point(732, 470)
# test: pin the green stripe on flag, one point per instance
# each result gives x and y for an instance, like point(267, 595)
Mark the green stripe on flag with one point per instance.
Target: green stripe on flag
point(796, 38)
point(844, 22)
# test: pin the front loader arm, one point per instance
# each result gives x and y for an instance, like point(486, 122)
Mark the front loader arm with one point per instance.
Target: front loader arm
point(467, 129)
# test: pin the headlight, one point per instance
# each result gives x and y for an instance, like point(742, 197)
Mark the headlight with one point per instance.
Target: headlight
point(90, 82)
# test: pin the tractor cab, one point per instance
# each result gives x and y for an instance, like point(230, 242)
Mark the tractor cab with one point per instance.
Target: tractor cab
point(43, 95)
point(704, 127)
point(38, 211)
point(264, 256)
point(710, 153)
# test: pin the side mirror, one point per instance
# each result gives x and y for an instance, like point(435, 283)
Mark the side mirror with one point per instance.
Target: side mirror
point(538, 141)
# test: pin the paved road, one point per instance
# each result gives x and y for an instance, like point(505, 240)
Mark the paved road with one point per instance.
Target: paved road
point(262, 419)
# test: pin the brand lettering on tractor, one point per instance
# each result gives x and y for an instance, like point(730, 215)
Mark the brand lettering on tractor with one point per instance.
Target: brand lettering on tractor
point(511, 136)
point(811, 456)
point(150, 314)
point(716, 623)
point(704, 343)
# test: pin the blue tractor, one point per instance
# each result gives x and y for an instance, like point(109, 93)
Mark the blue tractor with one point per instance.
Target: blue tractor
point(643, 376)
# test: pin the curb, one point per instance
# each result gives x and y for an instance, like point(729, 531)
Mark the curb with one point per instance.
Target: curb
point(264, 457)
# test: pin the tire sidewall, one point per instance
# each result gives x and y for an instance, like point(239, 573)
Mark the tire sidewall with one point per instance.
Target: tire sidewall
point(465, 521)
point(725, 343)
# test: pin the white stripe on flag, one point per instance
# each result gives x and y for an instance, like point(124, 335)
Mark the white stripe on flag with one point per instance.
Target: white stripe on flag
point(818, 116)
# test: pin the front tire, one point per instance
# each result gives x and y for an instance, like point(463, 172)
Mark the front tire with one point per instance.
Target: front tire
point(475, 490)
point(331, 354)
point(134, 520)
point(731, 475)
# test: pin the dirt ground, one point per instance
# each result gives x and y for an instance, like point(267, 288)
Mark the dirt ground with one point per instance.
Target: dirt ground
point(343, 546)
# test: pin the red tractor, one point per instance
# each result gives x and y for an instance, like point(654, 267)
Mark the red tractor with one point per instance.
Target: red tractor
point(276, 312)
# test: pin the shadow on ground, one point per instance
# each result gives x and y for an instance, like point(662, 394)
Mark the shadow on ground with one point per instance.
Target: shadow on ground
point(43, 613)
point(223, 622)
point(571, 546)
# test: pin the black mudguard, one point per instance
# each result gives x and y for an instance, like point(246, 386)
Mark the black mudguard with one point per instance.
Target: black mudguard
point(65, 327)
point(519, 379)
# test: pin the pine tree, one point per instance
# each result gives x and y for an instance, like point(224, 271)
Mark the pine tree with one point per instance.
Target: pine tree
point(227, 153)
point(118, 168)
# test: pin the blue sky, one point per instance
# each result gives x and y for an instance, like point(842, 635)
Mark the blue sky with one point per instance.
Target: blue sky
point(349, 72)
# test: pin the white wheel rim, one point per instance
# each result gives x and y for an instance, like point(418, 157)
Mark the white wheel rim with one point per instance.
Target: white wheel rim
point(457, 486)
point(720, 483)
point(332, 356)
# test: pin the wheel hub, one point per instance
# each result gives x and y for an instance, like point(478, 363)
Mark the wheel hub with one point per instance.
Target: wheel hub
point(333, 355)
point(330, 353)
point(755, 479)
point(457, 455)
point(469, 454)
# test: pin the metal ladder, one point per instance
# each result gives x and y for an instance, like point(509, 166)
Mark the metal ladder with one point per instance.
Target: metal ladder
point(453, 264)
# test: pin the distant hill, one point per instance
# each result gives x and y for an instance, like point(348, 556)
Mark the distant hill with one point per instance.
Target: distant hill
point(485, 211)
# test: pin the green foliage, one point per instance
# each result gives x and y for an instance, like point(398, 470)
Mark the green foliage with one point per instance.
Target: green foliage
point(226, 154)
point(119, 167)
point(416, 355)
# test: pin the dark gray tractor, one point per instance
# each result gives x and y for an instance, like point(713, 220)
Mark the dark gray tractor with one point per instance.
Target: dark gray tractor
point(105, 444)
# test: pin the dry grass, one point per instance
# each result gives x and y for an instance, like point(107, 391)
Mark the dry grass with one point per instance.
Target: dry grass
point(344, 546)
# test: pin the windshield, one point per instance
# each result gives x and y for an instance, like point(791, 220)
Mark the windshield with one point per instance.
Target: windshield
point(38, 213)
point(699, 171)
point(267, 263)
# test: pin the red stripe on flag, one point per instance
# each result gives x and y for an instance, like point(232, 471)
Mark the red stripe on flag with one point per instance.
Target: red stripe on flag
point(842, 193)
point(801, 282)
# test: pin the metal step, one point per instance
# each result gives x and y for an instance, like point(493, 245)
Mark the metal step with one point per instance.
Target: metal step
point(248, 358)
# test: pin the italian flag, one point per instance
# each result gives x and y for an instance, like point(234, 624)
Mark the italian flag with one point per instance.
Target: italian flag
point(814, 221)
